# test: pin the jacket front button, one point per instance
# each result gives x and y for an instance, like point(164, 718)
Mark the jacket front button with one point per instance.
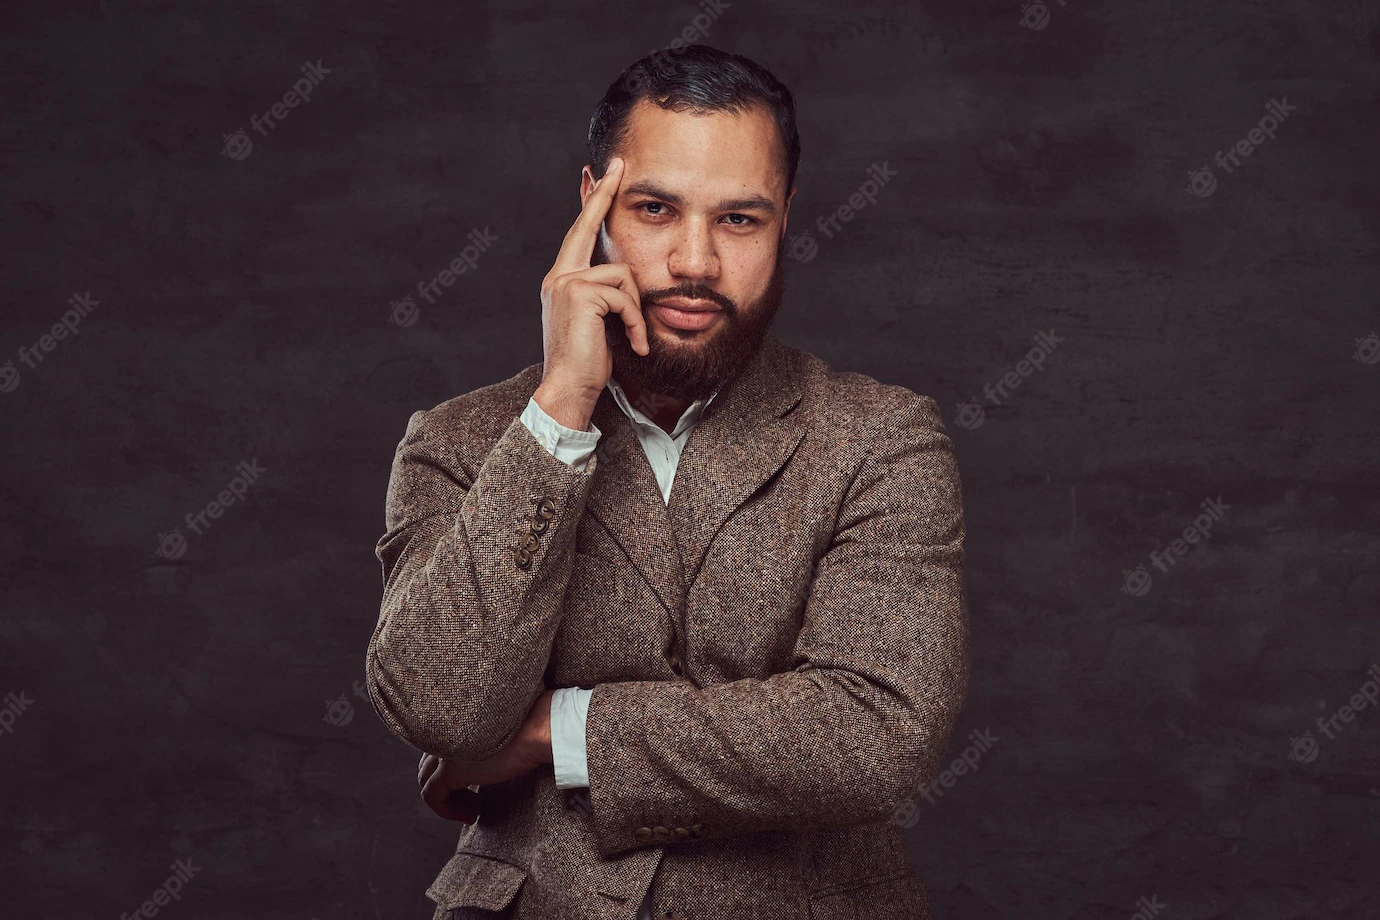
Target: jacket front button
point(642, 834)
point(674, 660)
point(662, 833)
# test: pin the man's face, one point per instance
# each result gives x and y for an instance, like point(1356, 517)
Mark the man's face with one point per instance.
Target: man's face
point(700, 216)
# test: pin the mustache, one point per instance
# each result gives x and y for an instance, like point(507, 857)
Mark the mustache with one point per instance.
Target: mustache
point(692, 292)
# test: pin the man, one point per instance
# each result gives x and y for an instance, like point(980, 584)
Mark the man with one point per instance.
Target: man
point(677, 616)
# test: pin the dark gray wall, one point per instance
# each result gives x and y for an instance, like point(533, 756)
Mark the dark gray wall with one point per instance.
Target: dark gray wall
point(1154, 740)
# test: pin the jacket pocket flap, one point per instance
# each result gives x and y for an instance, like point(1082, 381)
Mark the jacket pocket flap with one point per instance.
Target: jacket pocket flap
point(472, 880)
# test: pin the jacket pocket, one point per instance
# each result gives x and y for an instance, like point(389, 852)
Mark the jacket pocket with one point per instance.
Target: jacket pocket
point(472, 880)
point(890, 897)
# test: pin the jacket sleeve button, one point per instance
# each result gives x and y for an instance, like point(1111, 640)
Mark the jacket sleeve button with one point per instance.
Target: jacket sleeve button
point(661, 833)
point(642, 834)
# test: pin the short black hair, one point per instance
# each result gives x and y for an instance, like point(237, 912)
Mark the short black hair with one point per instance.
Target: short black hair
point(696, 79)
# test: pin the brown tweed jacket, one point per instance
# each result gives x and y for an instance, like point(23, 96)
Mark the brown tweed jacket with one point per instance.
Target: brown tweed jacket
point(777, 657)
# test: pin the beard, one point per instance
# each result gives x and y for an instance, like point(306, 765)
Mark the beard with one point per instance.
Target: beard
point(693, 364)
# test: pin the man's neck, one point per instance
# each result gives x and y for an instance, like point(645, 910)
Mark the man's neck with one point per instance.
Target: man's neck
point(664, 410)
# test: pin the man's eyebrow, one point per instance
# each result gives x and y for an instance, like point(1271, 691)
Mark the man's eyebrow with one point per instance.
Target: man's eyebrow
point(748, 203)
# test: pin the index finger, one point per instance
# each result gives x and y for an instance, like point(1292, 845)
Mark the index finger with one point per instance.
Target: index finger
point(578, 246)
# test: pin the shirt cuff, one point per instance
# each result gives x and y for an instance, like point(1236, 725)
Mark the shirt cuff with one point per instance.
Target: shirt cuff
point(570, 445)
point(569, 709)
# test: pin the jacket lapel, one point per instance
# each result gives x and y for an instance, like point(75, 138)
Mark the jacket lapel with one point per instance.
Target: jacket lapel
point(740, 441)
point(744, 436)
point(626, 499)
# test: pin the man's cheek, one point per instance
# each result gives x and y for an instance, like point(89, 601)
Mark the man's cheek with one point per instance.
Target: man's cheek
point(644, 262)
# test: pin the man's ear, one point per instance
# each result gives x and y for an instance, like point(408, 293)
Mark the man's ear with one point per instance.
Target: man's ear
point(586, 183)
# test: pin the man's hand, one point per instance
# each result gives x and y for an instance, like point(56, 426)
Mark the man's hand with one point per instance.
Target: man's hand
point(575, 298)
point(446, 784)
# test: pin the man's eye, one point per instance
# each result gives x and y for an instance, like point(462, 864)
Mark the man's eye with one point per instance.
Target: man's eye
point(746, 221)
point(651, 204)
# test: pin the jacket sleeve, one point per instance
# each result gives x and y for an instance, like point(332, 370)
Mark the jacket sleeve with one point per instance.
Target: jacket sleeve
point(475, 568)
point(860, 724)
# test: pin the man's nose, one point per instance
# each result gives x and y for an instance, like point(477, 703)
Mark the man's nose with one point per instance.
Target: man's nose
point(695, 255)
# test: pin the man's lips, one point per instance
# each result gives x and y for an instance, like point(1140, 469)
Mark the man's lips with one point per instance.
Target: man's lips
point(687, 314)
point(689, 306)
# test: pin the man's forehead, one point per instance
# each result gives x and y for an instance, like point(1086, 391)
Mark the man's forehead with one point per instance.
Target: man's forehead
point(720, 152)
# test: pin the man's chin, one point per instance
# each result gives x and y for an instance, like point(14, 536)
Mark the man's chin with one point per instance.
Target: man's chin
point(677, 366)
point(685, 339)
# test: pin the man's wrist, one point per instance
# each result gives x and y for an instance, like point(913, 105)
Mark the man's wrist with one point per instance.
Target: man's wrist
point(571, 408)
point(540, 736)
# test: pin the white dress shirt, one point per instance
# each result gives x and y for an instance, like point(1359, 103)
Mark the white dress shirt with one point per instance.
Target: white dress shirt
point(570, 705)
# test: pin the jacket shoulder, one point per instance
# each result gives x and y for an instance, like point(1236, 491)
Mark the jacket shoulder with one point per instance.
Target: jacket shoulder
point(857, 402)
point(477, 417)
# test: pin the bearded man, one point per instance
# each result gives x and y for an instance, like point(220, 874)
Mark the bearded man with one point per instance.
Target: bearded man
point(677, 616)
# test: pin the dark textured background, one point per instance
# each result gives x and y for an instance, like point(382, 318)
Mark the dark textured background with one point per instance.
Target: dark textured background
point(1216, 344)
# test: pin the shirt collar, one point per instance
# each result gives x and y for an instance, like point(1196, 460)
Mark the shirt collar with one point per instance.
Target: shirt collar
point(691, 414)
